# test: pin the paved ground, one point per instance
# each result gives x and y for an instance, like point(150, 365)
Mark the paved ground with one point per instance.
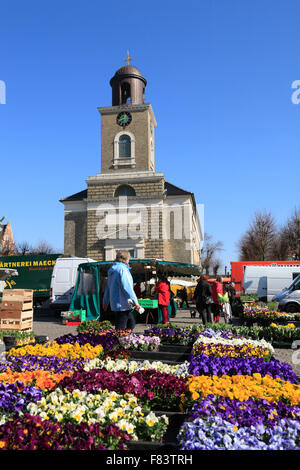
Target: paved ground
point(49, 324)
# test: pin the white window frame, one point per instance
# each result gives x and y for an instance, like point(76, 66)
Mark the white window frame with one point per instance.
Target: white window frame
point(121, 162)
point(112, 246)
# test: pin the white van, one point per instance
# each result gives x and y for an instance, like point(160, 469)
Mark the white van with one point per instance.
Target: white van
point(268, 281)
point(63, 281)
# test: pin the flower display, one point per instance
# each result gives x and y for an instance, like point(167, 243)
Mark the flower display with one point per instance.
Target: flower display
point(15, 397)
point(32, 433)
point(140, 342)
point(173, 335)
point(156, 390)
point(218, 338)
point(94, 325)
point(205, 364)
point(49, 363)
point(244, 413)
point(67, 350)
point(265, 317)
point(180, 370)
point(41, 379)
point(230, 350)
point(216, 433)
point(104, 407)
point(243, 387)
point(107, 340)
point(84, 392)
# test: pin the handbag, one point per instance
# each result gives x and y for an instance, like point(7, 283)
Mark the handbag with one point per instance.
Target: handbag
point(223, 299)
point(207, 299)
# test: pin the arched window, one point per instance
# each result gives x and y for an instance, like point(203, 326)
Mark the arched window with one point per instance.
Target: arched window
point(124, 146)
point(124, 190)
point(125, 93)
point(124, 150)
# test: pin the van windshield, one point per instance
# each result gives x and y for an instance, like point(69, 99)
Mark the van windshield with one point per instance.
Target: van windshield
point(296, 283)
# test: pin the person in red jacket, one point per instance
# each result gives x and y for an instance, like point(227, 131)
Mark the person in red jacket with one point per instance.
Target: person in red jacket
point(217, 288)
point(163, 296)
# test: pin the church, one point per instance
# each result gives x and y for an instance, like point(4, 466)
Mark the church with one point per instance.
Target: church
point(128, 205)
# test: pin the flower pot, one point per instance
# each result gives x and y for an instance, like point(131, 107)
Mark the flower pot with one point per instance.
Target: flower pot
point(9, 341)
point(160, 356)
point(178, 348)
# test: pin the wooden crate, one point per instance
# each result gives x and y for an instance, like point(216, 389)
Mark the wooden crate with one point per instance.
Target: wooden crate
point(8, 305)
point(13, 324)
point(16, 314)
point(17, 295)
point(17, 310)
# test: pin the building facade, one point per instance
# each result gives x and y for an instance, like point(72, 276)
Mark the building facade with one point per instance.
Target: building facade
point(128, 205)
point(7, 244)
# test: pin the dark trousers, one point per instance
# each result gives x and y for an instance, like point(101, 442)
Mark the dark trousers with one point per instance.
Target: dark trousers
point(186, 302)
point(205, 313)
point(217, 310)
point(124, 320)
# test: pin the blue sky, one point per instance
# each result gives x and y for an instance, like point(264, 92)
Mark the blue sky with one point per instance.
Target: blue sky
point(219, 78)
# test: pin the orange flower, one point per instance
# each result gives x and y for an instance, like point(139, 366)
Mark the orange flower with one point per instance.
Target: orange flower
point(42, 379)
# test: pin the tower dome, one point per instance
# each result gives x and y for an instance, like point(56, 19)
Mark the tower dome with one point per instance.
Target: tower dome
point(128, 86)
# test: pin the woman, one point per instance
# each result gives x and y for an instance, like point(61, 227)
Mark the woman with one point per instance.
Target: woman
point(162, 290)
point(203, 299)
point(217, 288)
point(119, 290)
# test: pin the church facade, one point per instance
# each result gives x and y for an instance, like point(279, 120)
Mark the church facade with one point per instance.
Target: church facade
point(129, 205)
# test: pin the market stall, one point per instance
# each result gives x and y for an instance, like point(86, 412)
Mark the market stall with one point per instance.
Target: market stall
point(92, 277)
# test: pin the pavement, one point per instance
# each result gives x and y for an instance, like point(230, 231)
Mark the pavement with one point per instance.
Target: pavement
point(47, 323)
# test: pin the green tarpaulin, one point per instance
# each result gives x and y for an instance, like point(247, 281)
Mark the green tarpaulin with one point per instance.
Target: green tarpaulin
point(89, 301)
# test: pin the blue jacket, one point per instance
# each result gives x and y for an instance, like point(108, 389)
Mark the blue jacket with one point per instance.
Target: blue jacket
point(119, 287)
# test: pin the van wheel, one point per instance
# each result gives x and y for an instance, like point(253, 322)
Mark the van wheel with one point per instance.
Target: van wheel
point(292, 308)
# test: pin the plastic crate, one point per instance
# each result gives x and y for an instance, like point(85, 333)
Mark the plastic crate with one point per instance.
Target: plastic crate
point(148, 303)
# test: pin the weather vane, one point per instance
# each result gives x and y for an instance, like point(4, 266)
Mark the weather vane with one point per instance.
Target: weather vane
point(128, 58)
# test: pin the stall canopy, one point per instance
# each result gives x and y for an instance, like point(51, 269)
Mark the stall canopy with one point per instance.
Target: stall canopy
point(92, 277)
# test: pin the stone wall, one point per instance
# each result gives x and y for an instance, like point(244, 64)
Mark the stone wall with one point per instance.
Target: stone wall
point(75, 234)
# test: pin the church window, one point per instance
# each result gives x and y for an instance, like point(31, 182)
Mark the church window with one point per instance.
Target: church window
point(124, 146)
point(125, 190)
point(124, 150)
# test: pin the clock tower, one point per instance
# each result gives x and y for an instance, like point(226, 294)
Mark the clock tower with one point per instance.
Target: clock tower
point(127, 127)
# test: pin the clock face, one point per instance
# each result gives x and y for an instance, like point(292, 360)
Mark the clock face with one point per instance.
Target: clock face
point(124, 118)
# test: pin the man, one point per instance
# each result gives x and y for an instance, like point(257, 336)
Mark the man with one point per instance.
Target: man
point(184, 297)
point(203, 299)
point(231, 293)
point(119, 289)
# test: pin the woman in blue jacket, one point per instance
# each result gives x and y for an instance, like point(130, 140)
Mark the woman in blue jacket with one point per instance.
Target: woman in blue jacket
point(119, 290)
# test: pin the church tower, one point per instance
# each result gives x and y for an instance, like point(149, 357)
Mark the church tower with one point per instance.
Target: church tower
point(128, 205)
point(127, 127)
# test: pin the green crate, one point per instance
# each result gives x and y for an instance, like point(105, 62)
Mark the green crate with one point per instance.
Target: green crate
point(148, 303)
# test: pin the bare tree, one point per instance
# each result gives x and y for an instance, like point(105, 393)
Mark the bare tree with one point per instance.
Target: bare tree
point(258, 241)
point(291, 232)
point(216, 264)
point(280, 248)
point(43, 248)
point(23, 248)
point(209, 251)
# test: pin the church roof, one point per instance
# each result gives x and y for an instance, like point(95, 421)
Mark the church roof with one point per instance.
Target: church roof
point(128, 69)
point(171, 190)
point(76, 197)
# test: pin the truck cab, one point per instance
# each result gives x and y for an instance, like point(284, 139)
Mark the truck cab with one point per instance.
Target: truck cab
point(289, 298)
